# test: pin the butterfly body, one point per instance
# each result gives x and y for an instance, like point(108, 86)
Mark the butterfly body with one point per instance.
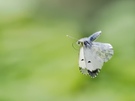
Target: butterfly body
point(93, 54)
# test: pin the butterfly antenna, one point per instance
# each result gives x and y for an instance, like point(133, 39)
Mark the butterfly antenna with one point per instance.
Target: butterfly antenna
point(73, 44)
point(71, 37)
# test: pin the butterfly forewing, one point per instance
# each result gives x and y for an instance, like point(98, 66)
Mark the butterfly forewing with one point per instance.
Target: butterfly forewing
point(92, 60)
point(82, 64)
point(82, 59)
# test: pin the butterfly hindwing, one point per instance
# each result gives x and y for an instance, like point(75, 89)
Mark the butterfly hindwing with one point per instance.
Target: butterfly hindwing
point(103, 50)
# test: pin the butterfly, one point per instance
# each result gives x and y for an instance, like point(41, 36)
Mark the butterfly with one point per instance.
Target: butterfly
point(93, 55)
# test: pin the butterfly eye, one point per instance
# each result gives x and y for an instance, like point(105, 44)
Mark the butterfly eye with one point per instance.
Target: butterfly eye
point(79, 42)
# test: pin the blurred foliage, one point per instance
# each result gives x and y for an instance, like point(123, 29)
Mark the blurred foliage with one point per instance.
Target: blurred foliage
point(38, 62)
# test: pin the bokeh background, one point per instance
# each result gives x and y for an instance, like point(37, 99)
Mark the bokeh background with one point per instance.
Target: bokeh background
point(38, 62)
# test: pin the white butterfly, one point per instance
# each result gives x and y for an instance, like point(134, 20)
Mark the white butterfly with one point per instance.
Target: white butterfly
point(93, 54)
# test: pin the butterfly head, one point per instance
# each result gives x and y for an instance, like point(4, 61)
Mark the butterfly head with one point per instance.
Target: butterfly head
point(88, 41)
point(81, 41)
point(84, 42)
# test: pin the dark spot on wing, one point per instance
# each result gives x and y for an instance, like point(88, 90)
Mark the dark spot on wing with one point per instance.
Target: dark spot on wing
point(94, 73)
point(82, 59)
point(89, 61)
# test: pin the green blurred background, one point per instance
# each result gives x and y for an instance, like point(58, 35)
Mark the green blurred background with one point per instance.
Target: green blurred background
point(38, 62)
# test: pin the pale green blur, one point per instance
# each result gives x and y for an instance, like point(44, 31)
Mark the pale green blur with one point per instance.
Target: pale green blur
point(38, 62)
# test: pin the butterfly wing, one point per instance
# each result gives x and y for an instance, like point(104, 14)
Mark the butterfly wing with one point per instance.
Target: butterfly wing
point(91, 63)
point(82, 64)
point(103, 50)
point(82, 59)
